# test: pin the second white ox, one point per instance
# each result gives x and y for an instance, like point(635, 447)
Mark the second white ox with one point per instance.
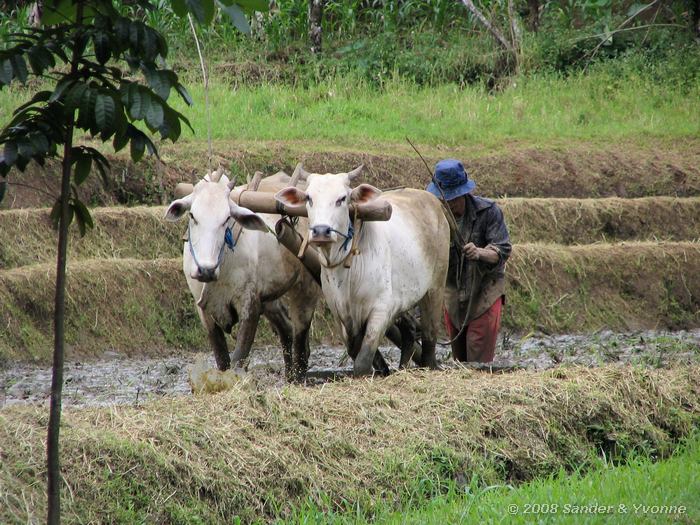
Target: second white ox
point(244, 280)
point(400, 262)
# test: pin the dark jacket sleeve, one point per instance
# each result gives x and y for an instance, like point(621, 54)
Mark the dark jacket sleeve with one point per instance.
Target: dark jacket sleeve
point(497, 234)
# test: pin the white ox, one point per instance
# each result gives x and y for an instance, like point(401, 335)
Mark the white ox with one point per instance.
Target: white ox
point(244, 281)
point(401, 262)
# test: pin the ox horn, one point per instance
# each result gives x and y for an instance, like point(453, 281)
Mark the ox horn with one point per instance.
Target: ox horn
point(300, 172)
point(215, 175)
point(183, 189)
point(352, 175)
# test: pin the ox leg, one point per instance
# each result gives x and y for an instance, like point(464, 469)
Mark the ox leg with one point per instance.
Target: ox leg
point(276, 313)
point(431, 313)
point(303, 297)
point(217, 340)
point(367, 355)
point(246, 332)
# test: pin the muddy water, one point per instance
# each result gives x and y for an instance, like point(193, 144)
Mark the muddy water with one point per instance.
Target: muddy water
point(114, 379)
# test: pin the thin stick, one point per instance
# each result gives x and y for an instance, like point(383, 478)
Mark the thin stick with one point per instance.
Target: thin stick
point(450, 216)
point(206, 90)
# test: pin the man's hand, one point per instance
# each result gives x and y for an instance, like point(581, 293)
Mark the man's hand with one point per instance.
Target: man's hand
point(480, 254)
point(471, 251)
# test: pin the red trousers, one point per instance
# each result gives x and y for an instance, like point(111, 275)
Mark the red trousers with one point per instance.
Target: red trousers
point(477, 342)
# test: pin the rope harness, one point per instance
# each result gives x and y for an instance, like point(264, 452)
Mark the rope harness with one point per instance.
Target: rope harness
point(350, 239)
point(228, 241)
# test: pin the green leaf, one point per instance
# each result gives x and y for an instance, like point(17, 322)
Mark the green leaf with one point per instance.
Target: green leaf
point(81, 170)
point(9, 154)
point(55, 215)
point(252, 5)
point(238, 18)
point(40, 59)
point(74, 95)
point(139, 100)
point(179, 7)
point(39, 142)
point(203, 10)
point(19, 67)
point(82, 216)
point(182, 91)
point(64, 11)
point(5, 72)
point(3, 189)
point(160, 81)
point(103, 49)
point(154, 115)
point(120, 140)
point(138, 146)
point(63, 84)
point(87, 109)
point(105, 110)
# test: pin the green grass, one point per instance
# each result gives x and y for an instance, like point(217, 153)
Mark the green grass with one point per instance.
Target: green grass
point(633, 493)
point(348, 111)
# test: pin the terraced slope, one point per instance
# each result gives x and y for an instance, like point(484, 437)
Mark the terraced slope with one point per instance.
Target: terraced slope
point(579, 264)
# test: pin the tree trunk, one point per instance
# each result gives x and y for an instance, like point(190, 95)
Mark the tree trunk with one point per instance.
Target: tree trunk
point(52, 449)
point(35, 13)
point(695, 17)
point(533, 15)
point(53, 465)
point(315, 17)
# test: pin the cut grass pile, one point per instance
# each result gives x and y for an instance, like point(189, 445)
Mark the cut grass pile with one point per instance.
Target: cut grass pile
point(368, 445)
point(583, 168)
point(26, 236)
point(140, 307)
point(640, 491)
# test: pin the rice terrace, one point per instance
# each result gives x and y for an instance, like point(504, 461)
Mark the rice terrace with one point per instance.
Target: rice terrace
point(322, 261)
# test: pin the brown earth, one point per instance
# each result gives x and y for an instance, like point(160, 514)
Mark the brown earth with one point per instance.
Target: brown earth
point(143, 307)
point(572, 169)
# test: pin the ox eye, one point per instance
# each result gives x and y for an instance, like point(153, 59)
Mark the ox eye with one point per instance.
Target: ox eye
point(192, 217)
point(341, 200)
point(310, 201)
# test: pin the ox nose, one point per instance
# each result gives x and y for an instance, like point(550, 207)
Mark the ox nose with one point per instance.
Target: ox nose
point(206, 275)
point(321, 233)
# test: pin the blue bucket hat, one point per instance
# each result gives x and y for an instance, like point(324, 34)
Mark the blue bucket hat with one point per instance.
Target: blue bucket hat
point(452, 178)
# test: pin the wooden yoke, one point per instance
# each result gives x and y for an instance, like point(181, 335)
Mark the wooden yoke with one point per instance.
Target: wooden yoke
point(263, 202)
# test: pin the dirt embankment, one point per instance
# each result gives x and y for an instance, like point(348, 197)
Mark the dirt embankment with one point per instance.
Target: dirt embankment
point(141, 232)
point(578, 169)
point(143, 307)
point(356, 445)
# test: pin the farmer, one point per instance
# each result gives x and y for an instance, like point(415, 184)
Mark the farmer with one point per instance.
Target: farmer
point(475, 291)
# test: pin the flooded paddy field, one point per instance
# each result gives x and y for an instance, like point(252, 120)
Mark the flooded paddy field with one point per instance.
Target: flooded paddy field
point(115, 379)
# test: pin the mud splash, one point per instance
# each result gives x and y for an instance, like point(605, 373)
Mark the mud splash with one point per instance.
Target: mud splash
point(114, 379)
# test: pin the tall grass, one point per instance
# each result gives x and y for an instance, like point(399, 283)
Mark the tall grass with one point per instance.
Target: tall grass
point(639, 492)
point(349, 111)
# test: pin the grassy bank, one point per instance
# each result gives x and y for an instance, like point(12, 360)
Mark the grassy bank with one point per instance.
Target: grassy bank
point(142, 233)
point(642, 491)
point(347, 111)
point(364, 445)
point(143, 307)
point(638, 167)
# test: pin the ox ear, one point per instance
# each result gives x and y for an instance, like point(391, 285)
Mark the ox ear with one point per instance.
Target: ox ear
point(292, 197)
point(247, 218)
point(178, 208)
point(364, 193)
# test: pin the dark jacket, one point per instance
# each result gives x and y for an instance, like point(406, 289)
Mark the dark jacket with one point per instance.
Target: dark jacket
point(480, 282)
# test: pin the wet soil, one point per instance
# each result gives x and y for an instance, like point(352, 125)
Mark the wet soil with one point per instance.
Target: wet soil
point(114, 379)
